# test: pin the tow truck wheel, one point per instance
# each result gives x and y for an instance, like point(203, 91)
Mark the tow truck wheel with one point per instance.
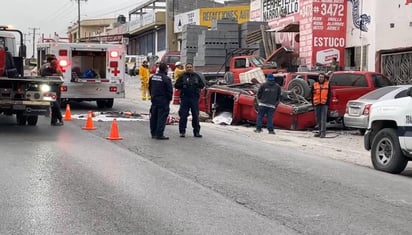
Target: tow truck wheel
point(32, 120)
point(300, 87)
point(109, 103)
point(21, 119)
point(386, 154)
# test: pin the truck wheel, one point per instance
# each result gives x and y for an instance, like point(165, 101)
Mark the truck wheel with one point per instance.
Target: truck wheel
point(229, 78)
point(101, 103)
point(362, 131)
point(300, 87)
point(32, 120)
point(386, 154)
point(109, 103)
point(21, 119)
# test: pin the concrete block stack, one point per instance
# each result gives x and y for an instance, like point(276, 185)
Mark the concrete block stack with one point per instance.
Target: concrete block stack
point(214, 44)
point(246, 29)
point(190, 38)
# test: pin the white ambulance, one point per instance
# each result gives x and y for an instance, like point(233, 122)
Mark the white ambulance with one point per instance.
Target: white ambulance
point(91, 71)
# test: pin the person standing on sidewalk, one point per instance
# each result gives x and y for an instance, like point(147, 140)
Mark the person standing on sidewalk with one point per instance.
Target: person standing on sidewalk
point(268, 97)
point(321, 95)
point(161, 91)
point(144, 78)
point(189, 85)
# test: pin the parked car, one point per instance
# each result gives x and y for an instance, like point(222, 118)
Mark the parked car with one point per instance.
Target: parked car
point(357, 111)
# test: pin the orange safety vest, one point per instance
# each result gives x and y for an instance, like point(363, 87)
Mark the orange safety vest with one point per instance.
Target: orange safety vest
point(320, 93)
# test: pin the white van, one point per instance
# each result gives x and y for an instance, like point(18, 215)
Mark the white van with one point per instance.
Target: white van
point(131, 60)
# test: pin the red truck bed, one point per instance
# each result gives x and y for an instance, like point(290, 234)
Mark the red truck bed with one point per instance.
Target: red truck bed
point(239, 99)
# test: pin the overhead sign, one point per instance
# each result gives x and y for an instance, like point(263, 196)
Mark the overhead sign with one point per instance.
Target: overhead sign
point(275, 9)
point(240, 13)
point(190, 17)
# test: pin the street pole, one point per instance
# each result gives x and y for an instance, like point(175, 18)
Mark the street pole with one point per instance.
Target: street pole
point(34, 39)
point(78, 19)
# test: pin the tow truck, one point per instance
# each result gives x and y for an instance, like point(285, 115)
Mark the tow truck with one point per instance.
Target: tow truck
point(92, 71)
point(25, 96)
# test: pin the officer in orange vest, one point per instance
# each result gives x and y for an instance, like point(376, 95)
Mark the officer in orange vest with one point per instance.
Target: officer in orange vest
point(321, 95)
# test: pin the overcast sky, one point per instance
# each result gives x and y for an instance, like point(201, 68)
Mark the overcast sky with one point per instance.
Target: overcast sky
point(49, 16)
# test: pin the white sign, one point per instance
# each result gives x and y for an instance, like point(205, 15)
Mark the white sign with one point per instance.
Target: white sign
point(190, 17)
point(147, 18)
point(326, 56)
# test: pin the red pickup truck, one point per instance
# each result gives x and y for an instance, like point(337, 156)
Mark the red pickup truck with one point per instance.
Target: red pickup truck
point(346, 85)
point(350, 85)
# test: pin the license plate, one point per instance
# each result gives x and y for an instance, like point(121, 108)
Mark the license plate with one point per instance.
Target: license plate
point(354, 111)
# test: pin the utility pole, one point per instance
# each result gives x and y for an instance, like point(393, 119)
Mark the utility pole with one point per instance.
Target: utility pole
point(78, 18)
point(34, 38)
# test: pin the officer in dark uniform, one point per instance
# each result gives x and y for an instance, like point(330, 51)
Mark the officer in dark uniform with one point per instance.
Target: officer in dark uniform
point(161, 92)
point(189, 84)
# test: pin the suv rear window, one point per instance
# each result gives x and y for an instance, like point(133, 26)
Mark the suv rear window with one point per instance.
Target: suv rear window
point(356, 80)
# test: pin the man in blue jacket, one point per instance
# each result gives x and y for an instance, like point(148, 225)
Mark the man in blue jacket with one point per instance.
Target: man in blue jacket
point(268, 97)
point(161, 92)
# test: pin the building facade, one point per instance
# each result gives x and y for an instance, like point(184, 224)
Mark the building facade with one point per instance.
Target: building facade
point(90, 28)
point(362, 34)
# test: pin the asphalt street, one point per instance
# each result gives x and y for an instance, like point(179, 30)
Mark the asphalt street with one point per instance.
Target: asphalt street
point(65, 180)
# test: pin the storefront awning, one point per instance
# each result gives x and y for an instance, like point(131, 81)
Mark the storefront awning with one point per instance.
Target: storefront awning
point(292, 28)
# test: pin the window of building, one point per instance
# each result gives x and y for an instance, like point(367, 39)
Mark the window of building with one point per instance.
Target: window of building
point(161, 39)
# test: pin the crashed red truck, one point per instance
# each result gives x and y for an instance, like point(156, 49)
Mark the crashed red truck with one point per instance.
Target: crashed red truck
point(295, 112)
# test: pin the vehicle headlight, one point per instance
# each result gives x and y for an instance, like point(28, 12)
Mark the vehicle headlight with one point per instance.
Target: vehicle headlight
point(45, 88)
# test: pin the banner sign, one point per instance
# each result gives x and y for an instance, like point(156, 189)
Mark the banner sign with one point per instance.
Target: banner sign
point(274, 9)
point(240, 13)
point(329, 31)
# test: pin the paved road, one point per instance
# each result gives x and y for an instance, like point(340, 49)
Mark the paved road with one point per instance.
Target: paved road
point(66, 180)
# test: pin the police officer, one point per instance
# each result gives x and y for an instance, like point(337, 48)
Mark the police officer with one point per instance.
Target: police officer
point(161, 92)
point(189, 84)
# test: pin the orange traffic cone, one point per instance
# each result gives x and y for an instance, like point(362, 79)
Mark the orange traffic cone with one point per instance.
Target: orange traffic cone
point(114, 132)
point(89, 122)
point(68, 114)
